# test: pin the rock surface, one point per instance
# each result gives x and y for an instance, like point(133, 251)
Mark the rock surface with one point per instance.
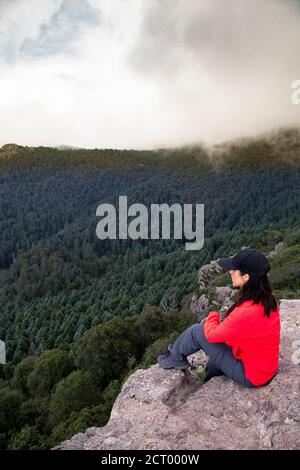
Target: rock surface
point(171, 409)
point(277, 248)
point(203, 302)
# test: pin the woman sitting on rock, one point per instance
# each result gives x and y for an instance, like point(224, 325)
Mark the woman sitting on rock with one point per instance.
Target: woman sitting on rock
point(245, 346)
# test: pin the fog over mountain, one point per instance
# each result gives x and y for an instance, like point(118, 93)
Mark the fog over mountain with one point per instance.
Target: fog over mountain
point(143, 74)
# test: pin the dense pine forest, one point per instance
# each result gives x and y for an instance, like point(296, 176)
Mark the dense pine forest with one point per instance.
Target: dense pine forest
point(79, 314)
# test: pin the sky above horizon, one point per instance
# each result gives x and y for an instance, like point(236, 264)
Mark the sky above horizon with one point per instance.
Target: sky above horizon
point(146, 73)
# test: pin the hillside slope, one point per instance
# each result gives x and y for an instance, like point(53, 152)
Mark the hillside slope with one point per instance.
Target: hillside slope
point(57, 279)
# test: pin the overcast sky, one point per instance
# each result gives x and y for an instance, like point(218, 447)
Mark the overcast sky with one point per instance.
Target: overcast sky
point(146, 73)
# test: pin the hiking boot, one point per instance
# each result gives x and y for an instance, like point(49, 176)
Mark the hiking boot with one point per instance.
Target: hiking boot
point(167, 361)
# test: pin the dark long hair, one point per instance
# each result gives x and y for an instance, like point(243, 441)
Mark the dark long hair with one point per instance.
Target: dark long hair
point(259, 290)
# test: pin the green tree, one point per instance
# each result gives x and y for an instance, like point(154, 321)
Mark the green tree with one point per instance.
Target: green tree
point(34, 412)
point(50, 367)
point(107, 349)
point(73, 393)
point(21, 373)
point(10, 403)
point(29, 438)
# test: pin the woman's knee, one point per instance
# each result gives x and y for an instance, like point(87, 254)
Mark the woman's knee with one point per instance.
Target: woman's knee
point(197, 332)
point(197, 328)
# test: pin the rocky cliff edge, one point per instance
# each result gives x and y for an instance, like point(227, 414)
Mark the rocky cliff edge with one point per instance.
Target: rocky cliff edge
point(171, 409)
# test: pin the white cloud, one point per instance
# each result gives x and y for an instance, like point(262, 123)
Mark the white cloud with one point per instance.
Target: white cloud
point(30, 28)
point(150, 73)
point(21, 20)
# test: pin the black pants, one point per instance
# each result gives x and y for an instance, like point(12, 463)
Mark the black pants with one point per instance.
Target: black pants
point(220, 358)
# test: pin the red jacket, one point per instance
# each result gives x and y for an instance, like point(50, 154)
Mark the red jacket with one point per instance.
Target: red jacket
point(253, 337)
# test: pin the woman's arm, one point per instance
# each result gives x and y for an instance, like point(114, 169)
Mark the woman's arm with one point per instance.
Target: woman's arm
point(232, 328)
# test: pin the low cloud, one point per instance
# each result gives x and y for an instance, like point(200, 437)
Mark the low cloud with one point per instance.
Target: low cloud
point(224, 68)
point(142, 74)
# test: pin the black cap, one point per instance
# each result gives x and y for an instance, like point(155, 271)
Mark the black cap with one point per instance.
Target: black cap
point(248, 260)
